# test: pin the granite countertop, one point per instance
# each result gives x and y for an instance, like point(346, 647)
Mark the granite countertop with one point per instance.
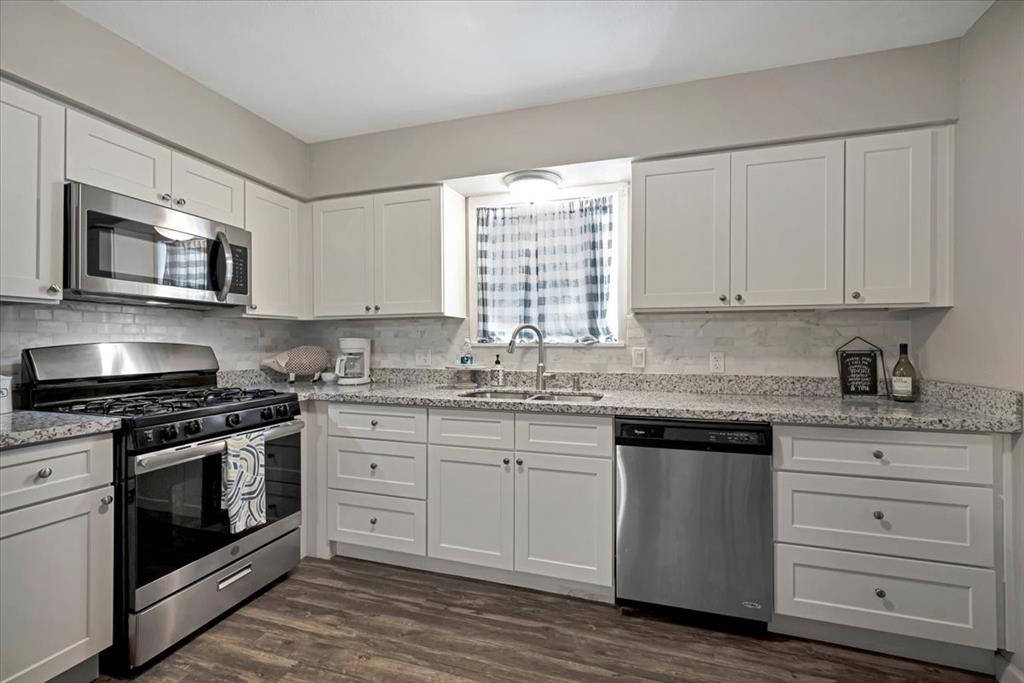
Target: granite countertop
point(27, 427)
point(877, 413)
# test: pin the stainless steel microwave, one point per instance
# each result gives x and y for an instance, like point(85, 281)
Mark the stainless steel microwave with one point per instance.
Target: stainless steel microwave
point(118, 248)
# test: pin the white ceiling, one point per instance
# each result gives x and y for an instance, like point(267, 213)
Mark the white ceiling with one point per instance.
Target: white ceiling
point(330, 69)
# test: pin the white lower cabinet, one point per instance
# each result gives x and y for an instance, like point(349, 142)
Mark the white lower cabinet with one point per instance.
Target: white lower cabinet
point(950, 603)
point(564, 517)
point(470, 505)
point(377, 521)
point(56, 584)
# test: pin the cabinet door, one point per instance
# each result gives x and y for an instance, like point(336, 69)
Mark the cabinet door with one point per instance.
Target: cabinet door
point(204, 190)
point(889, 218)
point(272, 219)
point(469, 505)
point(343, 257)
point(407, 251)
point(787, 225)
point(31, 195)
point(564, 517)
point(106, 156)
point(681, 233)
point(56, 585)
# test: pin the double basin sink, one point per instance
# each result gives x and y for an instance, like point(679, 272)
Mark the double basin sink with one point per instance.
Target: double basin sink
point(497, 394)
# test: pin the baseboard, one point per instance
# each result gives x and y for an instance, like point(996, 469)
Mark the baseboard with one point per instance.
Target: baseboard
point(898, 645)
point(511, 578)
point(1007, 671)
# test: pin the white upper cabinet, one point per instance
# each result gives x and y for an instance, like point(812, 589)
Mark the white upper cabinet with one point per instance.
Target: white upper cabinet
point(272, 218)
point(680, 245)
point(106, 156)
point(31, 196)
point(891, 185)
point(390, 254)
point(343, 257)
point(103, 155)
point(204, 190)
point(787, 225)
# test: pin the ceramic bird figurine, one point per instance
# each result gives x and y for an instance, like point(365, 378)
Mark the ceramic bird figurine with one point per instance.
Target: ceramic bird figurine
point(301, 360)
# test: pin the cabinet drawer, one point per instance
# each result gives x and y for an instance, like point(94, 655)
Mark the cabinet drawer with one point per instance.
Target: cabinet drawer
point(923, 599)
point(377, 521)
point(565, 435)
point(34, 473)
point(392, 423)
point(928, 521)
point(931, 456)
point(482, 428)
point(392, 468)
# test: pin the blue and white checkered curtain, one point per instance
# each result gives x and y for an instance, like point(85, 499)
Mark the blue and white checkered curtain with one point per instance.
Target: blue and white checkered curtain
point(549, 264)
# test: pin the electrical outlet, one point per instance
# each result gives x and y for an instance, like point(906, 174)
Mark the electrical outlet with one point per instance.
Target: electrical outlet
point(716, 361)
point(639, 356)
point(423, 358)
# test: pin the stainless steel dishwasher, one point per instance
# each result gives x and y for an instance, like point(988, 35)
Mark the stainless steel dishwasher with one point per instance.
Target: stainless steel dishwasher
point(694, 516)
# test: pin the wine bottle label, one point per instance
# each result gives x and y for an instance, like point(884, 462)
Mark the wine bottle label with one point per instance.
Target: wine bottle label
point(903, 386)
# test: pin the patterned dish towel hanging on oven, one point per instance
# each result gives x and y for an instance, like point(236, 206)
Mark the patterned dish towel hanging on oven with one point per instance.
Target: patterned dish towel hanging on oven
point(243, 485)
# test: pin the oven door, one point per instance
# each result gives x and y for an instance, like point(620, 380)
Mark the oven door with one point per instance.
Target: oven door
point(120, 247)
point(176, 529)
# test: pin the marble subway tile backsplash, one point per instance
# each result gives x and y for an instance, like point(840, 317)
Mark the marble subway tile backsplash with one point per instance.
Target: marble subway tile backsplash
point(238, 342)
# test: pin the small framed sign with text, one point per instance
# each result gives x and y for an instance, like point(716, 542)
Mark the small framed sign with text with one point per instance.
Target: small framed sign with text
point(858, 361)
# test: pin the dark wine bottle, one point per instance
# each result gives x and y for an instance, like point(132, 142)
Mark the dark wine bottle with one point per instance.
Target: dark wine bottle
point(906, 386)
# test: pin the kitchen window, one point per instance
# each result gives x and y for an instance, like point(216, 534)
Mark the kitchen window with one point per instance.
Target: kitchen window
point(556, 264)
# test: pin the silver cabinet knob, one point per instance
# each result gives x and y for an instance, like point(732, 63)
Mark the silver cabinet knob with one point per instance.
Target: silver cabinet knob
point(54, 288)
point(738, 297)
point(878, 514)
point(253, 307)
point(367, 308)
point(878, 455)
point(376, 307)
point(373, 423)
point(879, 592)
point(373, 465)
point(519, 461)
point(179, 201)
point(723, 298)
point(373, 520)
point(505, 461)
point(165, 197)
point(855, 295)
point(107, 500)
point(45, 473)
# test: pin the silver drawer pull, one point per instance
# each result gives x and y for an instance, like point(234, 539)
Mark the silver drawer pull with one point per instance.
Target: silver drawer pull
point(237, 576)
point(878, 455)
point(45, 473)
point(373, 423)
point(373, 465)
point(879, 592)
point(373, 520)
point(106, 500)
point(878, 514)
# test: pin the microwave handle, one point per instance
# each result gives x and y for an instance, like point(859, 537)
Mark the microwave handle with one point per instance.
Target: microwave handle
point(229, 266)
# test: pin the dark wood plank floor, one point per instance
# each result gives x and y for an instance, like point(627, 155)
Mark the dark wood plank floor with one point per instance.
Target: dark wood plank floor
point(347, 620)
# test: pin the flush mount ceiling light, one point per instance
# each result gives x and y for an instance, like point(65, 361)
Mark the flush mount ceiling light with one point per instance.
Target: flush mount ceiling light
point(532, 185)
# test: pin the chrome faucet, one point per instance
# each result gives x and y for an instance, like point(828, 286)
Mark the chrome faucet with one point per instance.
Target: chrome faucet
point(541, 375)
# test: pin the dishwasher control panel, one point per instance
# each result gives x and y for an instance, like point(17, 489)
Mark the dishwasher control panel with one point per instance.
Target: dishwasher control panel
point(747, 437)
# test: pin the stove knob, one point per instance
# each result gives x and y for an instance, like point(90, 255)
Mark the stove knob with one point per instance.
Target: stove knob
point(193, 427)
point(282, 410)
point(267, 413)
point(233, 420)
point(169, 433)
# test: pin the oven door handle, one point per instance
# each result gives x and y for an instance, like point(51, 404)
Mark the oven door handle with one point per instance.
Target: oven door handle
point(152, 462)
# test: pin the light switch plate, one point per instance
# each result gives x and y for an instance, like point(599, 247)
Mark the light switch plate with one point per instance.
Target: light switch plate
point(639, 356)
point(716, 361)
point(423, 358)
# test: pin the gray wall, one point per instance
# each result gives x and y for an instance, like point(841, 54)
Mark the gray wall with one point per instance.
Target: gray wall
point(879, 90)
point(57, 49)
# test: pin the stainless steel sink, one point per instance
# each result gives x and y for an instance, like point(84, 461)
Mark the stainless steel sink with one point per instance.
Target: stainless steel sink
point(532, 396)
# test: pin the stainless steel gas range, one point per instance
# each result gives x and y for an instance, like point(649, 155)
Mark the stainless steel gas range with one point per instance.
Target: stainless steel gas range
point(178, 565)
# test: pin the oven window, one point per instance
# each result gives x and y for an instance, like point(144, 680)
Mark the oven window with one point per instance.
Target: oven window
point(128, 250)
point(178, 511)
